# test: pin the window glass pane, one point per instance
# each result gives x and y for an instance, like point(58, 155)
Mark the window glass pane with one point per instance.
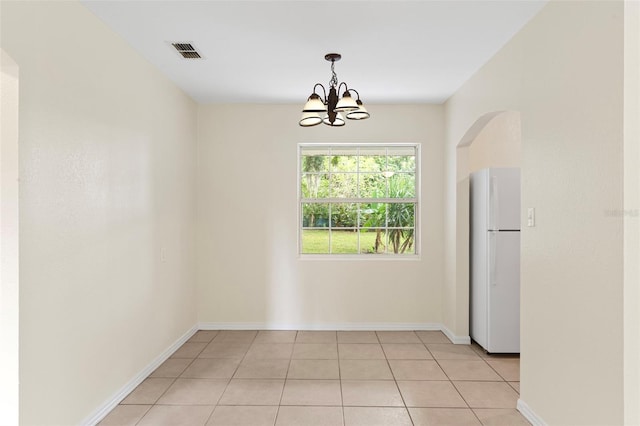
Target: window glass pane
point(315, 241)
point(344, 215)
point(401, 163)
point(409, 247)
point(400, 241)
point(313, 185)
point(393, 240)
point(372, 160)
point(344, 241)
point(372, 241)
point(373, 185)
point(314, 163)
point(402, 185)
point(372, 215)
point(343, 185)
point(344, 163)
point(400, 215)
point(315, 215)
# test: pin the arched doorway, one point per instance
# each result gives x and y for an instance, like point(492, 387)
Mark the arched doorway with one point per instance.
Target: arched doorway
point(494, 140)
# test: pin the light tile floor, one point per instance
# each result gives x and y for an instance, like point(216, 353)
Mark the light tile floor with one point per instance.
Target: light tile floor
point(325, 378)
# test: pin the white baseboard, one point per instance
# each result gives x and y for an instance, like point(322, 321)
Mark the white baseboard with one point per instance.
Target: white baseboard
point(112, 402)
point(459, 340)
point(528, 414)
point(317, 326)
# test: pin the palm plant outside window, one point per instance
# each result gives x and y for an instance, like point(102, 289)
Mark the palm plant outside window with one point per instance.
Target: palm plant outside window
point(358, 199)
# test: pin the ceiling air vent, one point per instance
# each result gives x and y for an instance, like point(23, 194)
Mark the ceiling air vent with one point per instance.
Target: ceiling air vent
point(186, 50)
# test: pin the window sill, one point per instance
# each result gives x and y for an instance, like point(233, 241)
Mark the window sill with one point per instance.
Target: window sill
point(361, 257)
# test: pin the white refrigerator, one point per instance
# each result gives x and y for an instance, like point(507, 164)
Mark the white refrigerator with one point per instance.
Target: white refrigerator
point(495, 259)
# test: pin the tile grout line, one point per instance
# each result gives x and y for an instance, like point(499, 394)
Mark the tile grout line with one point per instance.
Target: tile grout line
point(473, 410)
point(344, 421)
point(497, 372)
point(142, 417)
point(404, 403)
point(488, 356)
point(234, 373)
point(225, 388)
point(286, 377)
point(450, 381)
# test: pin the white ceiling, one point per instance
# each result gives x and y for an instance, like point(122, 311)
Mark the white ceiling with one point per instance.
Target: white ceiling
point(266, 51)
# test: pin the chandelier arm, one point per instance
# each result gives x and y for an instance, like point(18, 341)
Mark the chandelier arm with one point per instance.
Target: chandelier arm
point(324, 91)
point(354, 90)
point(346, 88)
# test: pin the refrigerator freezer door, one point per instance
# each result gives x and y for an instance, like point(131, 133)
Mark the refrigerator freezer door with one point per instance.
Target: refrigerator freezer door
point(504, 293)
point(504, 199)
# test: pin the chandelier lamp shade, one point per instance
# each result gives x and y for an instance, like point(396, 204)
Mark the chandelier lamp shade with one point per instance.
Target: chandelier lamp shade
point(331, 109)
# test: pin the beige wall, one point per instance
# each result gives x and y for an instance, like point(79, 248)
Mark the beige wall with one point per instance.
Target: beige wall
point(249, 271)
point(632, 213)
point(106, 164)
point(9, 354)
point(564, 73)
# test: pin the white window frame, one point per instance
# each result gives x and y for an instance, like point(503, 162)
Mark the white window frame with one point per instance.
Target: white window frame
point(361, 256)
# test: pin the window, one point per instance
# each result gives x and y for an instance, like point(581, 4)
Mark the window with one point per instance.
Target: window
point(358, 199)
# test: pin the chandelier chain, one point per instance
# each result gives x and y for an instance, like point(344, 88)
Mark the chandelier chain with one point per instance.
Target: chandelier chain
point(334, 77)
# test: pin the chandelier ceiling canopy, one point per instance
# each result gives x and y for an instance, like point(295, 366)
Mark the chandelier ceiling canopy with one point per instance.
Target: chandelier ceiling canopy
point(330, 109)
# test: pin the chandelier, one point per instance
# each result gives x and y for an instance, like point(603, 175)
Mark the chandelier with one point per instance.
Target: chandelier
point(329, 109)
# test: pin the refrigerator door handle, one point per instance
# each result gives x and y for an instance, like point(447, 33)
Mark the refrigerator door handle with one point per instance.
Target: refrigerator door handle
point(492, 259)
point(493, 203)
